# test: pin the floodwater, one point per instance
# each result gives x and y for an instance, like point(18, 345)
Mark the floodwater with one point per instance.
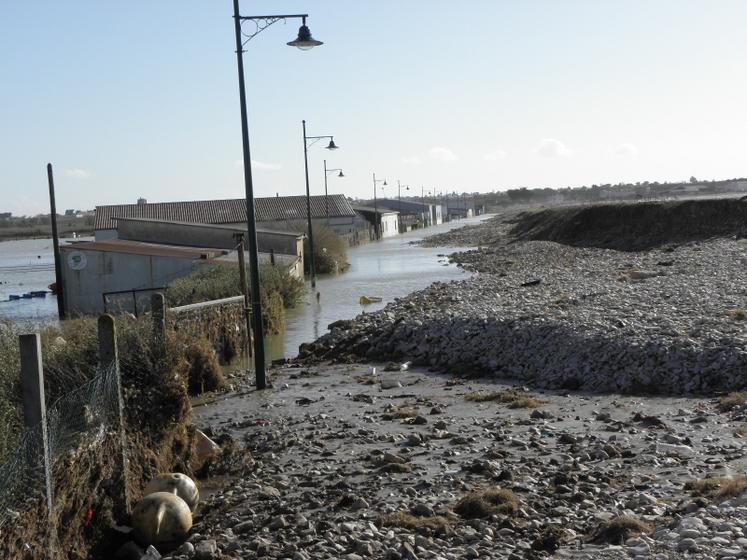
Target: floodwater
point(27, 265)
point(388, 269)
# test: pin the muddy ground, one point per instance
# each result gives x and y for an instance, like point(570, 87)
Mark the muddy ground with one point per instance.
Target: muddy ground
point(342, 453)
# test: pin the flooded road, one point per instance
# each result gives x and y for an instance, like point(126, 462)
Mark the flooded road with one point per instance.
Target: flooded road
point(388, 269)
point(28, 265)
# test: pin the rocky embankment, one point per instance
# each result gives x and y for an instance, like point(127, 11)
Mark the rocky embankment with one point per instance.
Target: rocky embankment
point(669, 320)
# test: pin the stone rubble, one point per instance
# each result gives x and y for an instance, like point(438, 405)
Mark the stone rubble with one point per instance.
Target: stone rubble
point(667, 321)
point(355, 465)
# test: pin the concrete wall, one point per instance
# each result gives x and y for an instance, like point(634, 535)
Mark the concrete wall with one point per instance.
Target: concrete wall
point(87, 274)
point(204, 235)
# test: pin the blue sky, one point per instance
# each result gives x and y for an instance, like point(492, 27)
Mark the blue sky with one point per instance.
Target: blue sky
point(141, 98)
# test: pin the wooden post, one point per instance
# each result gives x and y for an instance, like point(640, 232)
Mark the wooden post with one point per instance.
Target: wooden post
point(247, 298)
point(158, 314)
point(109, 363)
point(56, 246)
point(272, 257)
point(34, 406)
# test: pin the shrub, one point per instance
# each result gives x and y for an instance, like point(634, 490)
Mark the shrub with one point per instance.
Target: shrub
point(330, 251)
point(279, 290)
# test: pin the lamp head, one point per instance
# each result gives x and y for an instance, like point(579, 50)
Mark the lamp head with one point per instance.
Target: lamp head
point(341, 174)
point(384, 182)
point(332, 145)
point(304, 41)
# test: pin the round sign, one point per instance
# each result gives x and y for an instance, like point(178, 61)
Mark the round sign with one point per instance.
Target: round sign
point(77, 260)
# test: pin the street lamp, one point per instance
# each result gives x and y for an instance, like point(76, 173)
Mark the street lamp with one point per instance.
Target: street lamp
point(399, 199)
point(376, 210)
point(326, 200)
point(304, 41)
point(330, 146)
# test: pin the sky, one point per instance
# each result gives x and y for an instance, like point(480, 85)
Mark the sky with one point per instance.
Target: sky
point(140, 98)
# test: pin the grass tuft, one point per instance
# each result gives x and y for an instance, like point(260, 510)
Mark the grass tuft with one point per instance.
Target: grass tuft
point(400, 412)
point(510, 397)
point(718, 487)
point(737, 314)
point(483, 503)
point(732, 401)
point(618, 529)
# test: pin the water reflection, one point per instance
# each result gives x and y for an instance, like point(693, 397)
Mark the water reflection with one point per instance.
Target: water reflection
point(388, 269)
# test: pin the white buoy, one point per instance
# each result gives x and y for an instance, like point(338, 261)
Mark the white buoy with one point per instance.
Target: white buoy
point(175, 483)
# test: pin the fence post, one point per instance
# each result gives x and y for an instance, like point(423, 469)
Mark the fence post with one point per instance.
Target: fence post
point(272, 257)
point(245, 291)
point(158, 315)
point(109, 363)
point(34, 407)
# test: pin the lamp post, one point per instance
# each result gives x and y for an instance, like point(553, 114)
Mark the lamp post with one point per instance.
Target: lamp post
point(399, 200)
point(330, 146)
point(326, 199)
point(376, 210)
point(304, 41)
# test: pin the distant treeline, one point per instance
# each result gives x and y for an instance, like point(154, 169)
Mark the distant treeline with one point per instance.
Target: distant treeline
point(24, 227)
point(622, 191)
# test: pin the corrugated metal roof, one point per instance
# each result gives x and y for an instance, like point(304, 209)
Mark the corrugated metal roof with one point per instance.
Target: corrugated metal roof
point(149, 249)
point(226, 211)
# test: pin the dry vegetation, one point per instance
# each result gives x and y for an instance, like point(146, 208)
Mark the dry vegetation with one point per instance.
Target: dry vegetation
point(400, 412)
point(511, 397)
point(732, 401)
point(483, 503)
point(619, 529)
point(737, 314)
point(718, 487)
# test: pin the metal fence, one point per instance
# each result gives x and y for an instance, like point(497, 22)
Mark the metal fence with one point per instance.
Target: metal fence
point(78, 421)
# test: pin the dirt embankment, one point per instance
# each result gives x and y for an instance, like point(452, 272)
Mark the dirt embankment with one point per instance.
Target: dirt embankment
point(634, 227)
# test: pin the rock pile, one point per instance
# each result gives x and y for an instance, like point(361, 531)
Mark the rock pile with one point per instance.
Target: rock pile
point(668, 320)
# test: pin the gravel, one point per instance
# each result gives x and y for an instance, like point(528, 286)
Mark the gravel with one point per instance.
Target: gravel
point(668, 320)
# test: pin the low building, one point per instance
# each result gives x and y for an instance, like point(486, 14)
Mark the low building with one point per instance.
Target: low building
point(388, 220)
point(279, 212)
point(413, 214)
point(120, 274)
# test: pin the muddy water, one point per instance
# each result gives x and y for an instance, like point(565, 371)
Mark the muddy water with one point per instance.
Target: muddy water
point(388, 269)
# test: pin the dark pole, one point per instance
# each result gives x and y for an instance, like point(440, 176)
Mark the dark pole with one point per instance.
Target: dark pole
point(56, 246)
point(259, 339)
point(326, 200)
point(399, 203)
point(308, 208)
point(376, 212)
point(422, 202)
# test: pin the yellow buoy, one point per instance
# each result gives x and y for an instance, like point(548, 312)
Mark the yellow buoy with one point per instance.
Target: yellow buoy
point(161, 518)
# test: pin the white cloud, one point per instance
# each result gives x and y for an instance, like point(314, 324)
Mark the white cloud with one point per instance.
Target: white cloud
point(552, 148)
point(77, 173)
point(412, 160)
point(258, 165)
point(626, 150)
point(442, 154)
point(495, 155)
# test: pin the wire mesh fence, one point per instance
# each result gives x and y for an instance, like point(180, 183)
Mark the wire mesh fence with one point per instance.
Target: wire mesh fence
point(81, 417)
